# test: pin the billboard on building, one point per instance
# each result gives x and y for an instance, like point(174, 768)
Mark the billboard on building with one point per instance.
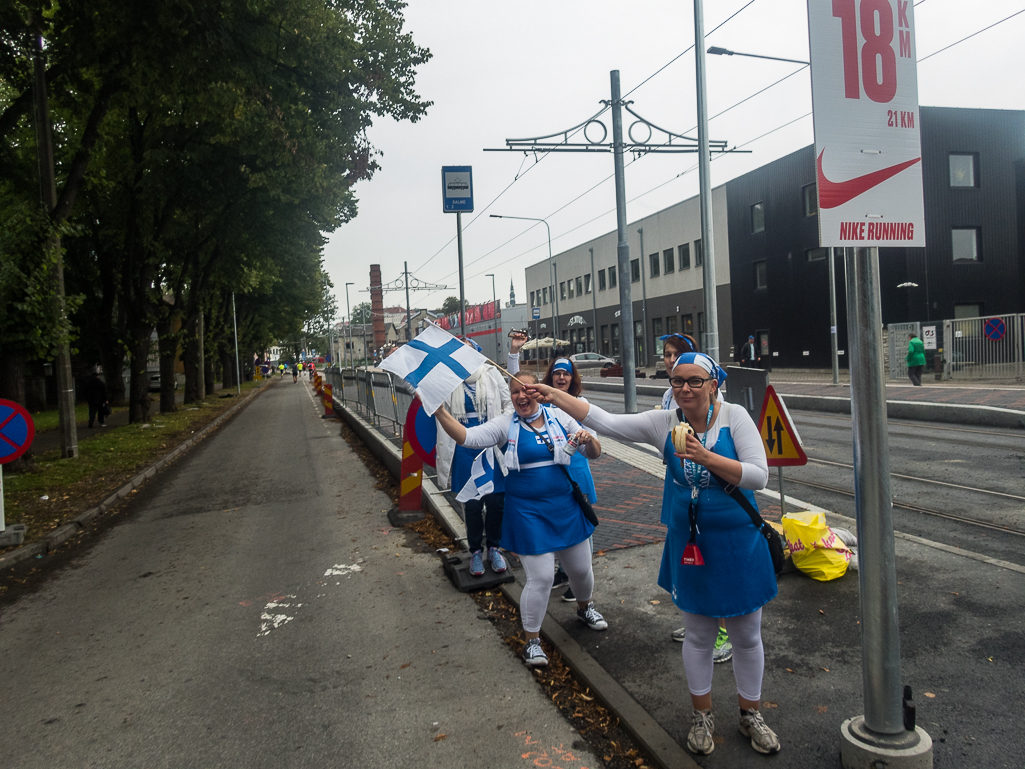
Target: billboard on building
point(867, 145)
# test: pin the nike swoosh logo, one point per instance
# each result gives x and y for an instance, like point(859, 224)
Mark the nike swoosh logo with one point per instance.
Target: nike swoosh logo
point(834, 194)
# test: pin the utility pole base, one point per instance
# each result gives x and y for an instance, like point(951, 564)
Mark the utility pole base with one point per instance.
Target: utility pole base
point(861, 750)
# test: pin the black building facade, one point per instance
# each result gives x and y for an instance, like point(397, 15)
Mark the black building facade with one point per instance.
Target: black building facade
point(973, 165)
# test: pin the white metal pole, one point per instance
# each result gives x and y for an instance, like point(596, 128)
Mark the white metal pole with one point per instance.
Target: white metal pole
point(234, 323)
point(711, 340)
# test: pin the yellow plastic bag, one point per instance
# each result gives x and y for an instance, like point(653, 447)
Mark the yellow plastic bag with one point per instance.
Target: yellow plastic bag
point(813, 546)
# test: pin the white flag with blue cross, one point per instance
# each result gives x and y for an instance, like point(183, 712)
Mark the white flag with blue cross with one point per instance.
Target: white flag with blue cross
point(481, 480)
point(435, 364)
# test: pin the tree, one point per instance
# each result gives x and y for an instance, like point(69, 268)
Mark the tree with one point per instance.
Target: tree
point(362, 313)
point(451, 305)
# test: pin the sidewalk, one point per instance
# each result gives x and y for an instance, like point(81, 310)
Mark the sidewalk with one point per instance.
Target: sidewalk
point(962, 635)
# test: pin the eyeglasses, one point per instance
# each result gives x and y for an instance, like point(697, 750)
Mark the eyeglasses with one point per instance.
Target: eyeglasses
point(694, 382)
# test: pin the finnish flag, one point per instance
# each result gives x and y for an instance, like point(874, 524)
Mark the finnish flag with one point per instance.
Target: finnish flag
point(435, 364)
point(482, 478)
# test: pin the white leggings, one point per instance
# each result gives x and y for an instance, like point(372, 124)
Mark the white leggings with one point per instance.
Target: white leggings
point(748, 656)
point(540, 571)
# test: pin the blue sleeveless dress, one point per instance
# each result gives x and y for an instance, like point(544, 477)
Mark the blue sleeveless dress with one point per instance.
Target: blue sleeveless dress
point(541, 515)
point(462, 457)
point(737, 577)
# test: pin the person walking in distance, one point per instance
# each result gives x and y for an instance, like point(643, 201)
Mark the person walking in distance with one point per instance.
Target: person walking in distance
point(915, 360)
point(749, 355)
point(96, 397)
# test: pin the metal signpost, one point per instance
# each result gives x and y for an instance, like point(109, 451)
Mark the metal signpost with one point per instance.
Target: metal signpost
point(457, 197)
point(869, 183)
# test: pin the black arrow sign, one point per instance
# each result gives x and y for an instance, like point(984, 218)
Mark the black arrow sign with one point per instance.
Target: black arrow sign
point(768, 435)
point(779, 434)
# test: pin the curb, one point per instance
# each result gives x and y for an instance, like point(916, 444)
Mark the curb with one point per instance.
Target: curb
point(63, 533)
point(663, 749)
point(948, 413)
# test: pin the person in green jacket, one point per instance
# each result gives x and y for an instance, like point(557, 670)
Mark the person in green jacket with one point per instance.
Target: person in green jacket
point(915, 360)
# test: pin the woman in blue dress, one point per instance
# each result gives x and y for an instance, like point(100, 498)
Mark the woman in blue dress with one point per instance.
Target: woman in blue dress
point(541, 517)
point(736, 578)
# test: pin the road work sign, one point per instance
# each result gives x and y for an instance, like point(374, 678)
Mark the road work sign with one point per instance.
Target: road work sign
point(782, 443)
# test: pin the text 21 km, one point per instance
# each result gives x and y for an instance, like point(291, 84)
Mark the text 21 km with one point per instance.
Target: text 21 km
point(900, 118)
point(874, 66)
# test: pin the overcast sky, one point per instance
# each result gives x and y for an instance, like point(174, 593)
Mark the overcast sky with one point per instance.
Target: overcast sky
point(525, 69)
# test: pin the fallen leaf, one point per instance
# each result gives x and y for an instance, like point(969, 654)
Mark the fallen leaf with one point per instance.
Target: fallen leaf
point(790, 670)
point(826, 669)
point(440, 737)
point(821, 708)
point(821, 612)
point(403, 667)
point(654, 603)
point(769, 705)
point(930, 695)
point(955, 594)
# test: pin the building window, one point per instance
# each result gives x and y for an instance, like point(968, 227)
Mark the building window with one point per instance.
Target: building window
point(810, 193)
point(601, 280)
point(656, 330)
point(653, 261)
point(571, 294)
point(965, 244)
point(684, 253)
point(615, 339)
point(758, 217)
point(562, 289)
point(668, 261)
point(580, 286)
point(699, 253)
point(532, 299)
point(635, 270)
point(612, 277)
point(816, 254)
point(587, 283)
point(962, 311)
point(761, 279)
point(544, 295)
point(962, 169)
point(605, 336)
point(688, 324)
point(671, 324)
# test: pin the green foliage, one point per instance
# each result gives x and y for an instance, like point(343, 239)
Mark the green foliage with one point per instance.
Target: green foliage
point(451, 305)
point(362, 313)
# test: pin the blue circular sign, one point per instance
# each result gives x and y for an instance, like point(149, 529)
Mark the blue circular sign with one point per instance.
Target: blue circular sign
point(17, 431)
point(995, 328)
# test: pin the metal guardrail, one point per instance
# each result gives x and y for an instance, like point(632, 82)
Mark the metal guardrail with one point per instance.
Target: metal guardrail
point(991, 347)
point(374, 393)
point(897, 336)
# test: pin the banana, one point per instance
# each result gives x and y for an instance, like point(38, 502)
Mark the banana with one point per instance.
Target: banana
point(680, 433)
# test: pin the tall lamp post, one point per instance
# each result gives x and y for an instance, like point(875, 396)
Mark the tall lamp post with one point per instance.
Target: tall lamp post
point(717, 51)
point(551, 277)
point(348, 314)
point(494, 309)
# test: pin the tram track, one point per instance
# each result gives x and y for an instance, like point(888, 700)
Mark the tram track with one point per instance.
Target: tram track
point(916, 508)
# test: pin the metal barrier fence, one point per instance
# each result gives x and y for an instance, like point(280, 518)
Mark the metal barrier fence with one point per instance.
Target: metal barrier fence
point(375, 393)
point(897, 335)
point(984, 348)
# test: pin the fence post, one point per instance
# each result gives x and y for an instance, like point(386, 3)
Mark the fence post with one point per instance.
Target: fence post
point(948, 349)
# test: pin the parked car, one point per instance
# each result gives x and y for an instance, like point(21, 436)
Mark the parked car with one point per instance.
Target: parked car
point(154, 382)
point(586, 360)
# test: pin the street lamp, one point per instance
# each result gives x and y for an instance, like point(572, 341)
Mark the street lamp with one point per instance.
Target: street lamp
point(494, 309)
point(551, 278)
point(348, 312)
point(716, 51)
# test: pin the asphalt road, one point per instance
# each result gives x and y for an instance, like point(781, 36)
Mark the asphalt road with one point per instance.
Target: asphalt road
point(255, 610)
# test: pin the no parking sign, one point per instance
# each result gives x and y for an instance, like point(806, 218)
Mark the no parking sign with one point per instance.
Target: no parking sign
point(17, 431)
point(994, 329)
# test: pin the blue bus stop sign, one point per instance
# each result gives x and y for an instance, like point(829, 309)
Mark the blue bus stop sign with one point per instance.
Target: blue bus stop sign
point(457, 189)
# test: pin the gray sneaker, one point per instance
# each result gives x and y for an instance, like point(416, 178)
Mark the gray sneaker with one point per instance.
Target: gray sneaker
point(699, 738)
point(723, 651)
point(680, 634)
point(533, 655)
point(592, 618)
point(763, 739)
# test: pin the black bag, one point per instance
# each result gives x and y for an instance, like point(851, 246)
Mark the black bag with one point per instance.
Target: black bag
point(578, 494)
point(771, 535)
point(105, 410)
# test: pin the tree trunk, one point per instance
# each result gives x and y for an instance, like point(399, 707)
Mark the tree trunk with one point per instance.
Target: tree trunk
point(12, 375)
point(227, 370)
point(139, 400)
point(168, 346)
point(209, 378)
point(113, 361)
point(195, 381)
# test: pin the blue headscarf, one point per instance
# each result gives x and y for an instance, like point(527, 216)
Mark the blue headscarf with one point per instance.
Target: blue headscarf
point(705, 362)
point(686, 342)
point(563, 364)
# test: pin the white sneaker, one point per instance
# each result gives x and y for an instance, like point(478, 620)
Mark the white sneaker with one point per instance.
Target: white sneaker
point(763, 739)
point(533, 655)
point(699, 738)
point(592, 618)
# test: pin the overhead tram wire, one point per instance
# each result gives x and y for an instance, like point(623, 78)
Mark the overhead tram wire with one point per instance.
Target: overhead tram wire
point(1016, 13)
point(521, 175)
